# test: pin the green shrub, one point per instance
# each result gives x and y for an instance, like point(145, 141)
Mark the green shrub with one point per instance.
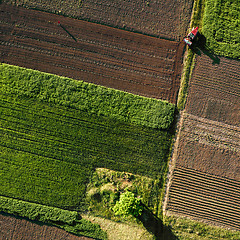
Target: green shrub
point(87, 97)
point(128, 204)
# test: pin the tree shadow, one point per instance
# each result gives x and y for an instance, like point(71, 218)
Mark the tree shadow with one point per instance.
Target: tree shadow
point(155, 225)
point(199, 46)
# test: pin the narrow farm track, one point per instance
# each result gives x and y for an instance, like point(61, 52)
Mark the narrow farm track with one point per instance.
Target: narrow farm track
point(94, 53)
point(211, 198)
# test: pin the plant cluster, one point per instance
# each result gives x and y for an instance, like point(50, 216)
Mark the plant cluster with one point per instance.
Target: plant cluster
point(105, 187)
point(87, 97)
point(128, 204)
point(221, 27)
point(68, 220)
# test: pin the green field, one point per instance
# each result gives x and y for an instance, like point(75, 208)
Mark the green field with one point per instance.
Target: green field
point(221, 23)
point(49, 151)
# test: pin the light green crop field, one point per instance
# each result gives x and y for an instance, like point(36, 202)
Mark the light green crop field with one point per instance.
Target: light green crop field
point(221, 23)
point(49, 150)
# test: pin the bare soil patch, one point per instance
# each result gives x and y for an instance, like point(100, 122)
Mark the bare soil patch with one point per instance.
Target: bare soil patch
point(214, 91)
point(164, 18)
point(94, 53)
point(210, 147)
point(14, 228)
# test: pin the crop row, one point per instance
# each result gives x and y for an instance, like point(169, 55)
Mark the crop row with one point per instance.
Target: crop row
point(209, 197)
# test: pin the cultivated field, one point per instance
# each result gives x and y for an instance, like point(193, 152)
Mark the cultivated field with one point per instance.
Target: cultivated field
point(49, 151)
point(160, 18)
point(214, 91)
point(110, 57)
point(209, 146)
point(207, 197)
point(14, 228)
point(205, 183)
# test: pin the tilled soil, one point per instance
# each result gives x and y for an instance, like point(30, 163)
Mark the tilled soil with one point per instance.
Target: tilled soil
point(94, 53)
point(205, 181)
point(165, 18)
point(210, 147)
point(13, 228)
point(206, 197)
point(214, 91)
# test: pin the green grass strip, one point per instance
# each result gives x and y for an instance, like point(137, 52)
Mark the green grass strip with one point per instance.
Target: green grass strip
point(68, 220)
point(186, 229)
point(221, 23)
point(87, 97)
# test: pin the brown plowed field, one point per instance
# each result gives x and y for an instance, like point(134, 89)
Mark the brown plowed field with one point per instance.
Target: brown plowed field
point(214, 90)
point(165, 18)
point(86, 51)
point(12, 228)
point(204, 196)
point(208, 144)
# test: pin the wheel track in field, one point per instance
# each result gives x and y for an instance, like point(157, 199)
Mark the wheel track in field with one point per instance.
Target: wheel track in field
point(199, 195)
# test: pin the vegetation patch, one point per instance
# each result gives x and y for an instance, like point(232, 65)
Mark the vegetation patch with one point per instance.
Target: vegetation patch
point(87, 97)
point(105, 187)
point(221, 27)
point(186, 229)
point(71, 221)
point(49, 151)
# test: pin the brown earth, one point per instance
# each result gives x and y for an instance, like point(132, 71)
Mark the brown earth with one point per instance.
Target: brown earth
point(214, 91)
point(12, 228)
point(165, 18)
point(205, 181)
point(205, 197)
point(94, 53)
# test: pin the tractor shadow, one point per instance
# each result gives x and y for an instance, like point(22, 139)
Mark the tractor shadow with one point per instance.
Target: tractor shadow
point(155, 225)
point(200, 47)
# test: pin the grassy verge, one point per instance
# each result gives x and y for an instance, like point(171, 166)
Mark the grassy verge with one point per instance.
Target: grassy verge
point(196, 20)
point(86, 97)
point(120, 230)
point(221, 27)
point(49, 151)
point(68, 220)
point(186, 229)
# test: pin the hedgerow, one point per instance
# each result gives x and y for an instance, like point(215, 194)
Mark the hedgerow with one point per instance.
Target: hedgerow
point(88, 97)
point(68, 220)
point(221, 27)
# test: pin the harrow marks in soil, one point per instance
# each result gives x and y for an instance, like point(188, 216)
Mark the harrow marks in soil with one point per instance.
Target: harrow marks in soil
point(86, 51)
point(204, 196)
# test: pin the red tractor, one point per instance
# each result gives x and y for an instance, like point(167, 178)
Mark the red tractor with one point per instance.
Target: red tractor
point(192, 35)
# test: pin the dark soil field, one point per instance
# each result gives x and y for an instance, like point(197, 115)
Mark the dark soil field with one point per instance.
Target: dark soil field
point(168, 19)
point(205, 183)
point(13, 228)
point(214, 91)
point(86, 51)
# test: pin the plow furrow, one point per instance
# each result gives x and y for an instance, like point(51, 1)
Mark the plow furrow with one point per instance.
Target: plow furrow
point(206, 197)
